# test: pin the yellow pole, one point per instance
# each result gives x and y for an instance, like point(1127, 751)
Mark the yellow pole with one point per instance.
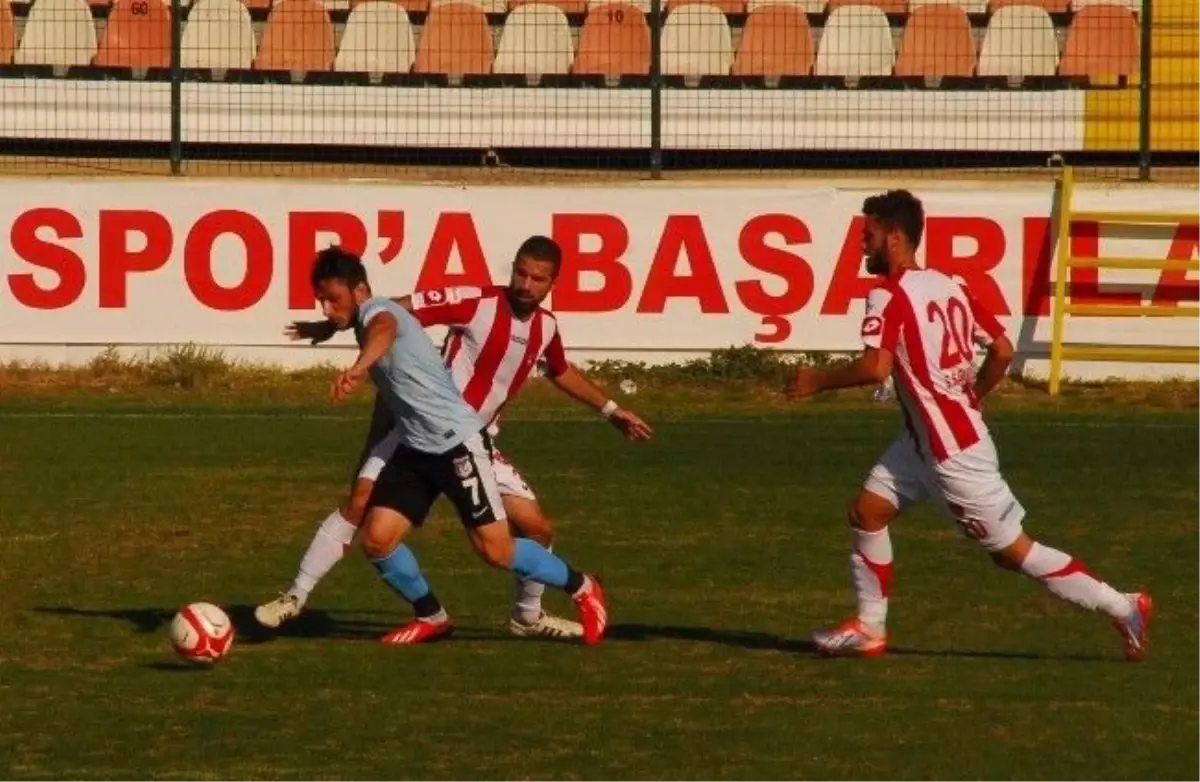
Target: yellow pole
point(1061, 254)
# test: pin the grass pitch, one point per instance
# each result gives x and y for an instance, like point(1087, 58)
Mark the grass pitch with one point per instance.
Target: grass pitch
point(722, 543)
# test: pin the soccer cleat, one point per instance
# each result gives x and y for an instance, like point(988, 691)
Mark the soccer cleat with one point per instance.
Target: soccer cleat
point(850, 639)
point(279, 610)
point(593, 614)
point(419, 631)
point(546, 626)
point(1135, 629)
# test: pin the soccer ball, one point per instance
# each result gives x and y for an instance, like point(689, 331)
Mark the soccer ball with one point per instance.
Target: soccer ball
point(201, 633)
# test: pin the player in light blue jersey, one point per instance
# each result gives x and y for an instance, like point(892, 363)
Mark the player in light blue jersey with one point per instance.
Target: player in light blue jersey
point(444, 449)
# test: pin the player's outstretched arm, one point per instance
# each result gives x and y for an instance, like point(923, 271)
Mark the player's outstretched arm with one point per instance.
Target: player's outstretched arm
point(995, 366)
point(574, 384)
point(381, 333)
point(872, 367)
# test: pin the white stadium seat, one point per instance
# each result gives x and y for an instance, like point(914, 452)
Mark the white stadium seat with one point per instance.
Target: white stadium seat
point(218, 34)
point(536, 40)
point(1019, 42)
point(58, 32)
point(378, 38)
point(857, 41)
point(696, 41)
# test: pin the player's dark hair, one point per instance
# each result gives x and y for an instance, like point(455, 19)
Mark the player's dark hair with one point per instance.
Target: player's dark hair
point(544, 249)
point(898, 209)
point(334, 263)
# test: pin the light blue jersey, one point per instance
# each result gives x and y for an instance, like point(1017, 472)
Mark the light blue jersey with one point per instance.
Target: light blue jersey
point(431, 415)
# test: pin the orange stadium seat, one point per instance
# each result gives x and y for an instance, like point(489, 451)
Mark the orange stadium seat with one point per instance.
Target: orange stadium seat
point(138, 35)
point(456, 40)
point(1049, 6)
point(937, 42)
point(776, 41)
point(1102, 43)
point(887, 6)
point(298, 37)
point(614, 41)
point(8, 34)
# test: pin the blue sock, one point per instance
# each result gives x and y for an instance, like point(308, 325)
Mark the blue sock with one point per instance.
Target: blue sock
point(402, 573)
point(534, 562)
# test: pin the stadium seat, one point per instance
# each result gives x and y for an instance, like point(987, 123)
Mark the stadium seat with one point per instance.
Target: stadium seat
point(57, 32)
point(1102, 44)
point(138, 35)
point(857, 41)
point(566, 6)
point(807, 6)
point(456, 40)
point(1049, 6)
point(776, 41)
point(614, 41)
point(218, 35)
point(8, 34)
point(377, 38)
point(488, 6)
point(887, 6)
point(726, 6)
point(410, 6)
point(968, 6)
point(298, 37)
point(696, 41)
point(937, 42)
point(536, 40)
point(1019, 42)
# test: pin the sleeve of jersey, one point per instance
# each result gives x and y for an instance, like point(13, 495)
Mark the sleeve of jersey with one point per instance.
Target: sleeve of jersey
point(556, 356)
point(369, 309)
point(987, 328)
point(881, 322)
point(445, 306)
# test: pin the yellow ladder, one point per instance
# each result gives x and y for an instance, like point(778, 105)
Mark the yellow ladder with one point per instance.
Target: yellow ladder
point(1064, 261)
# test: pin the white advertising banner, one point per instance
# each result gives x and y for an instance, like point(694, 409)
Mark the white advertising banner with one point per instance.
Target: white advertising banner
point(652, 269)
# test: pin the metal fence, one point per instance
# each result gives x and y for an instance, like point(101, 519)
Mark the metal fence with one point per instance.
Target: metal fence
point(594, 87)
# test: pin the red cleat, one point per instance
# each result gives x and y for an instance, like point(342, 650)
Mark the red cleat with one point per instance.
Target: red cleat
point(419, 631)
point(593, 614)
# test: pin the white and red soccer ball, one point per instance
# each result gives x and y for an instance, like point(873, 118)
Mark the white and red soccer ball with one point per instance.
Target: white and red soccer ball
point(201, 633)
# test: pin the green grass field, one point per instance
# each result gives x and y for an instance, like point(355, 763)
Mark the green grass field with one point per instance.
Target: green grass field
point(723, 543)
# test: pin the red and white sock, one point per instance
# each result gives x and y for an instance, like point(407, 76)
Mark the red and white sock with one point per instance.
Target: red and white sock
point(871, 573)
point(326, 550)
point(1069, 579)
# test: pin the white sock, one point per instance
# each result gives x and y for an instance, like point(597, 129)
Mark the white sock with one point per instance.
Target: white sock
point(527, 599)
point(327, 548)
point(1069, 579)
point(871, 573)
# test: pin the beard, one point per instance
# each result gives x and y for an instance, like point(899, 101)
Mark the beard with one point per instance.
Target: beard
point(877, 263)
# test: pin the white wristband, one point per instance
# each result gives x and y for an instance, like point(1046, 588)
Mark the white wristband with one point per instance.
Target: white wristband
point(609, 408)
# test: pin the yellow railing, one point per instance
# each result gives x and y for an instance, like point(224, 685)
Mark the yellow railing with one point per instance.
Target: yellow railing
point(1065, 261)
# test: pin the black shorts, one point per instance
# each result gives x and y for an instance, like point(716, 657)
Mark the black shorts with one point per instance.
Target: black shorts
point(411, 481)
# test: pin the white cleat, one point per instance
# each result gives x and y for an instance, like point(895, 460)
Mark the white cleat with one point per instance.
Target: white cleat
point(546, 626)
point(1135, 630)
point(851, 639)
point(279, 610)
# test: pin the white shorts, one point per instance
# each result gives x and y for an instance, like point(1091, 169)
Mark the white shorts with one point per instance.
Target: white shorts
point(968, 487)
point(508, 478)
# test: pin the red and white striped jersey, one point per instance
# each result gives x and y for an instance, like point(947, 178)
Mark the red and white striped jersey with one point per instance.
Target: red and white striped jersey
point(930, 324)
point(489, 350)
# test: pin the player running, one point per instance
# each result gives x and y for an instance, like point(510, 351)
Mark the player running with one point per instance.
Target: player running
point(920, 327)
point(497, 336)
